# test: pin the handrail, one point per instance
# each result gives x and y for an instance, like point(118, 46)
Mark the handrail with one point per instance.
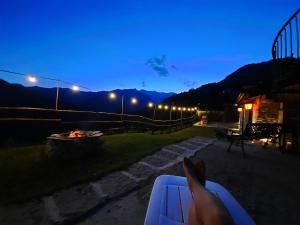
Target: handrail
point(92, 112)
point(278, 41)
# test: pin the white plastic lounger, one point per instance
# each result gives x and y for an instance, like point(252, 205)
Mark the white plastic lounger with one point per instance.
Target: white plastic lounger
point(170, 202)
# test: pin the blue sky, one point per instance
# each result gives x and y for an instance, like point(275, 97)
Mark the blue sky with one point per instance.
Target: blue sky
point(105, 45)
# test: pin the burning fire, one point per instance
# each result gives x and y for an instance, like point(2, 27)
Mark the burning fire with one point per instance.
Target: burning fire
point(76, 134)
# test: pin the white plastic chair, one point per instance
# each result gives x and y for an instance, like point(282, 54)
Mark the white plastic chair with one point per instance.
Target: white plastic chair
point(171, 199)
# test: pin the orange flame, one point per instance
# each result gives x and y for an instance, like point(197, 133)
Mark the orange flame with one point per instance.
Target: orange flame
point(76, 134)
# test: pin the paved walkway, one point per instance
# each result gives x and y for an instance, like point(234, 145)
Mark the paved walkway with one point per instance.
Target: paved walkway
point(266, 183)
point(81, 202)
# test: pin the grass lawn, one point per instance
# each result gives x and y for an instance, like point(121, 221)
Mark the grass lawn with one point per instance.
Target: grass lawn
point(26, 173)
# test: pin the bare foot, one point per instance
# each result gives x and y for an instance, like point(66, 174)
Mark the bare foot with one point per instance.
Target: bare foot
point(195, 174)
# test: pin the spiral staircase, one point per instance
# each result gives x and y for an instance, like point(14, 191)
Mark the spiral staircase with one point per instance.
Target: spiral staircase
point(286, 54)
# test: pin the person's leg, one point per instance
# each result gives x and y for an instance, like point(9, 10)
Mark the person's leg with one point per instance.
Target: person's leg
point(206, 209)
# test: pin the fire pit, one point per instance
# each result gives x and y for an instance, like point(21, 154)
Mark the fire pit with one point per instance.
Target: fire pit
point(74, 145)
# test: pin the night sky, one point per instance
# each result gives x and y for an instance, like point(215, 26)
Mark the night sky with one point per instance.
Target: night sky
point(162, 45)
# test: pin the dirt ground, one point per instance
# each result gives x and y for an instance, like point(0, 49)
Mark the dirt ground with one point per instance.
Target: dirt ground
point(266, 183)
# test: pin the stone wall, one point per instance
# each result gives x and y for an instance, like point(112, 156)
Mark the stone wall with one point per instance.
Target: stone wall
point(269, 111)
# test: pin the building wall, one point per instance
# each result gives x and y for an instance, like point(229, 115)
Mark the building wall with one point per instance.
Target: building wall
point(268, 111)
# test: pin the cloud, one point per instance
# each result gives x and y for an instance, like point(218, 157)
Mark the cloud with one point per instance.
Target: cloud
point(189, 84)
point(158, 65)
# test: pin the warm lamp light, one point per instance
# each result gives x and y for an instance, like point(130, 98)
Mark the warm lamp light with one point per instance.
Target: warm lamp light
point(32, 79)
point(150, 104)
point(239, 109)
point(173, 108)
point(179, 108)
point(75, 88)
point(248, 106)
point(133, 101)
point(166, 107)
point(184, 108)
point(112, 95)
point(160, 106)
point(189, 109)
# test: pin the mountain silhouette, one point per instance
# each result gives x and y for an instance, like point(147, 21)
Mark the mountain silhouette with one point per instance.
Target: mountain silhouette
point(16, 95)
point(254, 79)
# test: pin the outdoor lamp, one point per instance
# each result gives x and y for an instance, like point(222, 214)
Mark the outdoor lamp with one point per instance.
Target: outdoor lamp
point(239, 109)
point(32, 79)
point(184, 108)
point(112, 95)
point(133, 101)
point(75, 88)
point(166, 107)
point(248, 106)
point(189, 109)
point(173, 108)
point(150, 104)
point(160, 106)
point(179, 108)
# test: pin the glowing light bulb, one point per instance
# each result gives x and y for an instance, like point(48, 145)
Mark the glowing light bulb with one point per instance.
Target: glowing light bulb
point(32, 79)
point(75, 88)
point(112, 95)
point(134, 101)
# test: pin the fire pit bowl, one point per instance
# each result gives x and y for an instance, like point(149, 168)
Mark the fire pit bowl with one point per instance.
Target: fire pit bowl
point(74, 144)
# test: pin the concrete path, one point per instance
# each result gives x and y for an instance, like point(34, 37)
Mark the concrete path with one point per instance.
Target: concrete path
point(84, 202)
point(266, 183)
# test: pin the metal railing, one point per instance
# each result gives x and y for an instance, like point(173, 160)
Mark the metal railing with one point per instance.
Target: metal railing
point(64, 120)
point(286, 42)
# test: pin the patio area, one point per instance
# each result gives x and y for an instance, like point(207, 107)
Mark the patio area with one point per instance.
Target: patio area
point(266, 183)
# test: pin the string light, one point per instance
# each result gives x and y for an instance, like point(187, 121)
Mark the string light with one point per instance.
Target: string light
point(75, 88)
point(32, 79)
point(133, 101)
point(112, 95)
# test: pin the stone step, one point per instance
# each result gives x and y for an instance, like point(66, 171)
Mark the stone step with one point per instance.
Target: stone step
point(187, 145)
point(171, 152)
point(196, 143)
point(141, 171)
point(201, 140)
point(165, 155)
point(156, 161)
point(65, 205)
point(117, 184)
point(52, 210)
point(175, 148)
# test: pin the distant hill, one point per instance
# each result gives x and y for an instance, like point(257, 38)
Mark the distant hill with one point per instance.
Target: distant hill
point(259, 78)
point(16, 95)
point(157, 97)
